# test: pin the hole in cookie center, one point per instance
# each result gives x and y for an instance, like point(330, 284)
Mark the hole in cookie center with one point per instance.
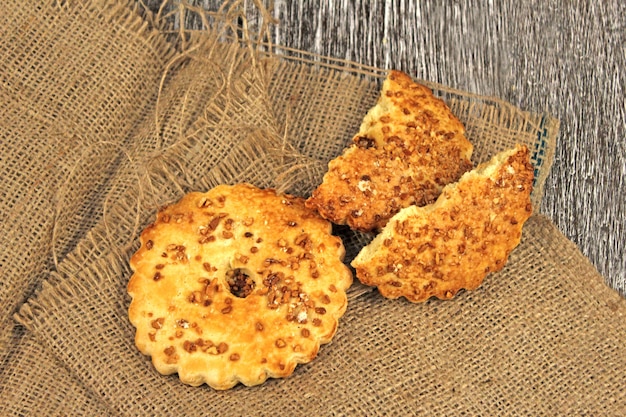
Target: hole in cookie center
point(239, 282)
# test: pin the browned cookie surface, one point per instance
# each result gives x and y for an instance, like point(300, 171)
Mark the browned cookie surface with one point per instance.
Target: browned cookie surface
point(436, 250)
point(237, 284)
point(408, 148)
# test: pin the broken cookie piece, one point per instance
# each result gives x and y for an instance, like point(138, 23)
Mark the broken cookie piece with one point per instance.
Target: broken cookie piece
point(436, 250)
point(408, 148)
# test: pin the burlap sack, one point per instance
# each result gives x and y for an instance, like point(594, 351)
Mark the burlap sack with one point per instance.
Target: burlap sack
point(106, 118)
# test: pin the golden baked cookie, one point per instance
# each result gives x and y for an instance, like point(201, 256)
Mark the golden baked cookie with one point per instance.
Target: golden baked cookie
point(408, 148)
point(237, 284)
point(436, 250)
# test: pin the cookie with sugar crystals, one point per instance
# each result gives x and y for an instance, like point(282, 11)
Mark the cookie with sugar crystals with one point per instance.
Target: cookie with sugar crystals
point(436, 250)
point(237, 284)
point(408, 148)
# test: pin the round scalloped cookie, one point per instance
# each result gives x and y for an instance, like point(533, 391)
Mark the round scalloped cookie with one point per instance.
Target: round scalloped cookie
point(237, 284)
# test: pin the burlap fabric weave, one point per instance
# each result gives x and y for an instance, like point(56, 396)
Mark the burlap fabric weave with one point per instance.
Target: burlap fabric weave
point(105, 117)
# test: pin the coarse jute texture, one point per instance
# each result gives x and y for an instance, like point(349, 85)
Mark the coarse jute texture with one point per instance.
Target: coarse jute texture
point(105, 118)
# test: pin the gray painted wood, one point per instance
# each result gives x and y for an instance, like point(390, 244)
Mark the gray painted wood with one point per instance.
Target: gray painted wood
point(566, 58)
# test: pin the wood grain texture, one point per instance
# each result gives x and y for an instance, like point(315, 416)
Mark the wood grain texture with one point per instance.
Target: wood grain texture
point(566, 58)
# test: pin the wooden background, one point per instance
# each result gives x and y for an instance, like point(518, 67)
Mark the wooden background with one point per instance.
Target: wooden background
point(564, 57)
